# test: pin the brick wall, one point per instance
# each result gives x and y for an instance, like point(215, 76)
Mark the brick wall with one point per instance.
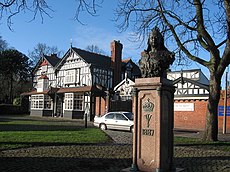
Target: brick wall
point(195, 120)
point(100, 106)
point(191, 120)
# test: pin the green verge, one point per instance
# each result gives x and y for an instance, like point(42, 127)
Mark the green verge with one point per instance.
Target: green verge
point(186, 141)
point(18, 139)
point(38, 132)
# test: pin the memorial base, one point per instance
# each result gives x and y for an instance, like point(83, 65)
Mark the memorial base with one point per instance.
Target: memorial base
point(153, 124)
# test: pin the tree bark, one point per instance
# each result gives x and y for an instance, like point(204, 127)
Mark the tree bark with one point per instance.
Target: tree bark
point(211, 127)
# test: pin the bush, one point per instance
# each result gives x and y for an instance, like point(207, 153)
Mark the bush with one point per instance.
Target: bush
point(8, 109)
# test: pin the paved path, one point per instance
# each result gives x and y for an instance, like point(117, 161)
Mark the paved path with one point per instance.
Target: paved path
point(108, 157)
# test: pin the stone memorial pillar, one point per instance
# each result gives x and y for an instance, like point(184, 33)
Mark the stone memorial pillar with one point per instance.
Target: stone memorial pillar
point(153, 116)
point(153, 109)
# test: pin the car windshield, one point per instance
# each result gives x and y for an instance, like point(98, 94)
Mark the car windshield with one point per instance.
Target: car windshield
point(129, 115)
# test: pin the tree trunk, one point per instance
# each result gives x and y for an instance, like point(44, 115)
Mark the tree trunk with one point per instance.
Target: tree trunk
point(211, 128)
point(11, 90)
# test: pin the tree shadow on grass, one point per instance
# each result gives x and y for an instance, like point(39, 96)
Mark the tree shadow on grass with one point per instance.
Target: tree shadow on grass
point(203, 164)
point(59, 164)
point(42, 127)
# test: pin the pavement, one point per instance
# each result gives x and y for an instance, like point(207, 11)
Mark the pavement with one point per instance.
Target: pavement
point(110, 157)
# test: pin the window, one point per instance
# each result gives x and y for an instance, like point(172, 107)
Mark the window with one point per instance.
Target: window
point(41, 101)
point(39, 85)
point(37, 101)
point(70, 76)
point(47, 102)
point(44, 69)
point(121, 117)
point(78, 101)
point(69, 101)
point(109, 116)
point(74, 101)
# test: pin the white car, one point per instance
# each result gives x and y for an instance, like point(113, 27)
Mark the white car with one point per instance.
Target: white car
point(115, 120)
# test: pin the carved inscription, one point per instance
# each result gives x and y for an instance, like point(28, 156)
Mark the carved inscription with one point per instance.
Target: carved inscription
point(148, 118)
point(148, 107)
point(148, 132)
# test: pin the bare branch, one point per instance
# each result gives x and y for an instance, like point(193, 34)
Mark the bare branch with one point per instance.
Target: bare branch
point(10, 8)
point(201, 28)
point(89, 6)
point(192, 57)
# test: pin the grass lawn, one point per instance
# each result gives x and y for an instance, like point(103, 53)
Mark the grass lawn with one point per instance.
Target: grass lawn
point(185, 141)
point(29, 132)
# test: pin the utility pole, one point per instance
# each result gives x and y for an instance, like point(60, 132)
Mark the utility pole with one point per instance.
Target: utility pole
point(225, 103)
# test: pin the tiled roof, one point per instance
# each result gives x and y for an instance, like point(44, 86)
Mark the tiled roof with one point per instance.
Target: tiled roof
point(136, 70)
point(65, 90)
point(44, 63)
point(52, 59)
point(94, 58)
point(34, 92)
point(79, 89)
point(74, 89)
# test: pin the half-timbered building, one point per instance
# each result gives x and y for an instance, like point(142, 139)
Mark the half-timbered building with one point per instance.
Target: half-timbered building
point(190, 98)
point(80, 84)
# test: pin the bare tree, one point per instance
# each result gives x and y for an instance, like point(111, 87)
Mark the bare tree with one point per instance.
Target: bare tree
point(42, 49)
point(193, 28)
point(95, 49)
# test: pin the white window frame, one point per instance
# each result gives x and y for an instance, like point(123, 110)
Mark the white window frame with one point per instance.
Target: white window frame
point(41, 101)
point(69, 101)
point(37, 101)
point(70, 76)
point(74, 101)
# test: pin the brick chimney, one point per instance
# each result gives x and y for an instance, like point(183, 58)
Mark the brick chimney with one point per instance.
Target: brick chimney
point(116, 52)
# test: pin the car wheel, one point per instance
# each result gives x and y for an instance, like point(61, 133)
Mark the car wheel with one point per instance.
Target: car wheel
point(132, 129)
point(103, 127)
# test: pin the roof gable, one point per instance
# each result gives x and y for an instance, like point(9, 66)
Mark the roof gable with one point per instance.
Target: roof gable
point(126, 82)
point(89, 57)
point(183, 80)
point(94, 58)
point(129, 63)
point(52, 59)
point(45, 60)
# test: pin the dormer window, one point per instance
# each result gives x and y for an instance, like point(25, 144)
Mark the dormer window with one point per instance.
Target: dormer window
point(44, 69)
point(43, 83)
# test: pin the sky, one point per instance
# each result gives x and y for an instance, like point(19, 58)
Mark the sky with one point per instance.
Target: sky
point(61, 30)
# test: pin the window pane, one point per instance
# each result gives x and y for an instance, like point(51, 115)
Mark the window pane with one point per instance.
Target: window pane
point(109, 116)
point(120, 117)
point(78, 101)
point(68, 101)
